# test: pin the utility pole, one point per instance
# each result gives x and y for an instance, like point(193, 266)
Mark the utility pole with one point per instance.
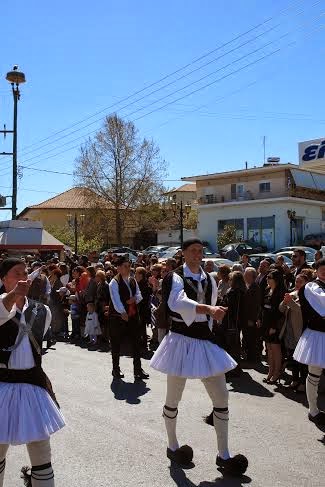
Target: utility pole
point(15, 78)
point(74, 223)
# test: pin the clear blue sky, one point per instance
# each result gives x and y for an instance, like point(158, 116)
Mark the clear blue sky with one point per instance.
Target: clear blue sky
point(80, 57)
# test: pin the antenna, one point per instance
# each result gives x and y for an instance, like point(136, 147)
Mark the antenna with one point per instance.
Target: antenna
point(264, 144)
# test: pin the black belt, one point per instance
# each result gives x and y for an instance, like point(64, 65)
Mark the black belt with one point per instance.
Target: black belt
point(35, 376)
point(198, 329)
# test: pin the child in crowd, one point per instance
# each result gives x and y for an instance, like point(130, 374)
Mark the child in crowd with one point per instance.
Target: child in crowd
point(75, 317)
point(92, 328)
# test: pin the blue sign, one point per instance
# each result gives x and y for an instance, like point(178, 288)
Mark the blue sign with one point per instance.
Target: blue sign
point(314, 151)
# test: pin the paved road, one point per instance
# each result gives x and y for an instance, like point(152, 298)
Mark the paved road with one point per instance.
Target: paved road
point(115, 436)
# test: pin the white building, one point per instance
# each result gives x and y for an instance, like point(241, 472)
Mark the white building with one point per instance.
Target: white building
point(257, 200)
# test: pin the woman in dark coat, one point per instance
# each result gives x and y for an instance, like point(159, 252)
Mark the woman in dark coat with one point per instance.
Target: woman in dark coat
point(235, 318)
point(272, 322)
point(56, 303)
point(144, 305)
point(102, 302)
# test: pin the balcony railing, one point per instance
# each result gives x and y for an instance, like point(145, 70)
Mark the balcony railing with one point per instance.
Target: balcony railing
point(258, 195)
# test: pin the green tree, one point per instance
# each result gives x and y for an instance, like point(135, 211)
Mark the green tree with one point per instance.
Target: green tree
point(86, 242)
point(227, 236)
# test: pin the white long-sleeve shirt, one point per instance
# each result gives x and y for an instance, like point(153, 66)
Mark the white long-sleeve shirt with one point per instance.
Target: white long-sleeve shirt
point(186, 307)
point(22, 357)
point(115, 295)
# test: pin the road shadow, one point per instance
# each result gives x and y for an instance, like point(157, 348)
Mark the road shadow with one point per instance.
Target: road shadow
point(245, 384)
point(288, 393)
point(130, 392)
point(260, 367)
point(299, 397)
point(179, 477)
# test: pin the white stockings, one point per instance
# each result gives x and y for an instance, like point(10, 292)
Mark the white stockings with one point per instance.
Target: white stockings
point(217, 389)
point(40, 456)
point(312, 382)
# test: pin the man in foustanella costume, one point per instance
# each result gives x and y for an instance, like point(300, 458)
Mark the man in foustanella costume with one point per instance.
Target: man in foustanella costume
point(190, 351)
point(310, 349)
point(29, 413)
point(124, 318)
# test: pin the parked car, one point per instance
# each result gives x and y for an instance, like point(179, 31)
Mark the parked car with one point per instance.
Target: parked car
point(155, 249)
point(121, 250)
point(255, 259)
point(172, 251)
point(217, 262)
point(315, 240)
point(293, 247)
point(168, 254)
point(310, 256)
point(241, 248)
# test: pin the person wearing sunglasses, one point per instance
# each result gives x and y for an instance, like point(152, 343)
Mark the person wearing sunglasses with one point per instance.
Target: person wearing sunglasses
point(272, 322)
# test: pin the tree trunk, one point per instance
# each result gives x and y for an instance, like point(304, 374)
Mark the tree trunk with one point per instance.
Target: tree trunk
point(118, 226)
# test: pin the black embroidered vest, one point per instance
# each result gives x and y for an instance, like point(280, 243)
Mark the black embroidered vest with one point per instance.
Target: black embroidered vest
point(9, 332)
point(198, 330)
point(311, 319)
point(124, 293)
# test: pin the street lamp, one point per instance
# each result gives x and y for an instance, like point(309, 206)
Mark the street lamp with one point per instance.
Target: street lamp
point(292, 217)
point(183, 212)
point(75, 223)
point(15, 78)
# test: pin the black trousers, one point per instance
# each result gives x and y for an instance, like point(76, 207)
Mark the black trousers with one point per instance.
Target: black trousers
point(119, 330)
point(250, 337)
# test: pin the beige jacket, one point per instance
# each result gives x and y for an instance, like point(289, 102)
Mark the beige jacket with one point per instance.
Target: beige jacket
point(293, 313)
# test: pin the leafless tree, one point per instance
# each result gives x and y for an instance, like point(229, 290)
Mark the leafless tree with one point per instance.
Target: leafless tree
point(122, 168)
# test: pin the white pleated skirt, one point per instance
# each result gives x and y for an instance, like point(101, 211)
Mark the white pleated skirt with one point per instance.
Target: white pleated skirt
point(310, 349)
point(192, 358)
point(27, 413)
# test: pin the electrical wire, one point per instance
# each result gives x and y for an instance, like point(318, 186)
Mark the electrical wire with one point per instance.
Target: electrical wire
point(282, 12)
point(178, 99)
point(169, 75)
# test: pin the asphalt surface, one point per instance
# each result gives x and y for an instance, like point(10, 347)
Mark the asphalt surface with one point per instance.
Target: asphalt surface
point(115, 433)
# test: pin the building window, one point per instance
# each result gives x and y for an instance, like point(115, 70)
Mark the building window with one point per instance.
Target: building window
point(237, 191)
point(174, 197)
point(323, 215)
point(261, 230)
point(265, 187)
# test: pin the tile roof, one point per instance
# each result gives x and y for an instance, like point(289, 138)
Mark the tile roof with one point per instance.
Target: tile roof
point(74, 198)
point(184, 188)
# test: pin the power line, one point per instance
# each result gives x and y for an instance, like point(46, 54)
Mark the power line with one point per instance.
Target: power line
point(281, 12)
point(186, 95)
point(109, 179)
point(159, 89)
point(176, 91)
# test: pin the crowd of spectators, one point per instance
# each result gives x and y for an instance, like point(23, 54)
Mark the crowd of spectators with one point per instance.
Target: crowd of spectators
point(263, 318)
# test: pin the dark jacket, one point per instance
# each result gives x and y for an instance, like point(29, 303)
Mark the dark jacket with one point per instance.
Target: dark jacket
point(144, 305)
point(253, 300)
point(271, 315)
point(235, 318)
point(91, 291)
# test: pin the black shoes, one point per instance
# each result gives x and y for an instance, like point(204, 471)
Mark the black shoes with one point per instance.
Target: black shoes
point(183, 456)
point(140, 374)
point(319, 419)
point(236, 465)
point(117, 374)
